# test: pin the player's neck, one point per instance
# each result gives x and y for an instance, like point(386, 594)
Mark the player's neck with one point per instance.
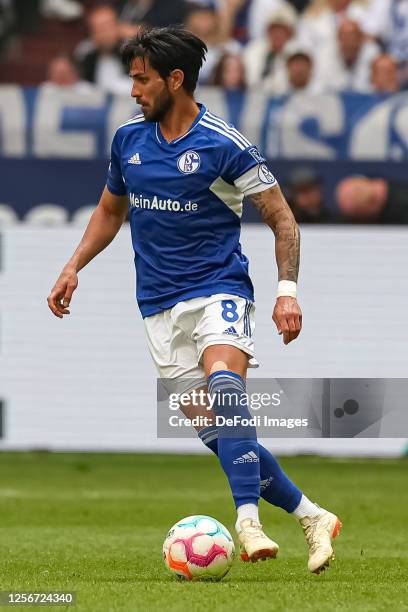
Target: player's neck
point(179, 119)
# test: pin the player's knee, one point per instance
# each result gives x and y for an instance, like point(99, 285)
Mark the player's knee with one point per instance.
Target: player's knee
point(217, 366)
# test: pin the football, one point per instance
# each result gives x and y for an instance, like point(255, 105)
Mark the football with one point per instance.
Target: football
point(199, 548)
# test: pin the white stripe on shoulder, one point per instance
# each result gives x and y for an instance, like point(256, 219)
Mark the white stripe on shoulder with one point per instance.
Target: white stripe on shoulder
point(227, 127)
point(230, 130)
point(136, 119)
point(215, 128)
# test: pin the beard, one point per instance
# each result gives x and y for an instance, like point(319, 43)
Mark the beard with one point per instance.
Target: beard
point(163, 103)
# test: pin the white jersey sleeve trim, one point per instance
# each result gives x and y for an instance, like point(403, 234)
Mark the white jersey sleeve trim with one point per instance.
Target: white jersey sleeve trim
point(231, 130)
point(220, 130)
point(229, 194)
point(137, 119)
point(256, 179)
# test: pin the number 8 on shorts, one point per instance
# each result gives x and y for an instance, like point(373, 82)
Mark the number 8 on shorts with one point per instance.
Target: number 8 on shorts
point(229, 311)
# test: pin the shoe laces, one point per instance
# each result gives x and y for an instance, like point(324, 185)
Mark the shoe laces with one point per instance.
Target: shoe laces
point(254, 529)
point(310, 534)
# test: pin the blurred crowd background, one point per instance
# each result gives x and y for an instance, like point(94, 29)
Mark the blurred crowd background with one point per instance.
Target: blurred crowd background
point(274, 46)
point(321, 86)
point(280, 46)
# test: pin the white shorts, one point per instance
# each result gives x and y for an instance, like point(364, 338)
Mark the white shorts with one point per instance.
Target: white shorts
point(177, 337)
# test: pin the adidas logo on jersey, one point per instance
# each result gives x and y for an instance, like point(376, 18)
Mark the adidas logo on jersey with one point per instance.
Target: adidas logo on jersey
point(247, 458)
point(135, 159)
point(231, 331)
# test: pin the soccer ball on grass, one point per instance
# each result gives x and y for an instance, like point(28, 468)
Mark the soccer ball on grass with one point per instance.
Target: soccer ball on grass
point(199, 548)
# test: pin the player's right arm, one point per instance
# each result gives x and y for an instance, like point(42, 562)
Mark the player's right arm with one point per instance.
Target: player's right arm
point(103, 226)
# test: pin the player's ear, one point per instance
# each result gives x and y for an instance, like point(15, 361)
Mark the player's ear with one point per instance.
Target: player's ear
point(176, 79)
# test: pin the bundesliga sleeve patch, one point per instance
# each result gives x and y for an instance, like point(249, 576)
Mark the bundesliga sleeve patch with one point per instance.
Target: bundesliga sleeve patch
point(256, 155)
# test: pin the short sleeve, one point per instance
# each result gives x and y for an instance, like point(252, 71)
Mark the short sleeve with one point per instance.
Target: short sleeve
point(248, 171)
point(115, 182)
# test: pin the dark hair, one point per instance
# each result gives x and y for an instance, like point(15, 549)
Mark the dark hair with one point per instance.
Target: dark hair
point(167, 49)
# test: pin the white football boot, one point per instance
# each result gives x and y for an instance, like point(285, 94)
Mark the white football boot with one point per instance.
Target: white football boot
point(319, 532)
point(254, 543)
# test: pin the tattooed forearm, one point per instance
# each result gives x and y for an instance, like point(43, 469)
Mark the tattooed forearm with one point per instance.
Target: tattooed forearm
point(276, 213)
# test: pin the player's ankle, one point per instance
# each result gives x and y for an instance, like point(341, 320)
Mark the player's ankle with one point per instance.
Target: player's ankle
point(307, 508)
point(246, 511)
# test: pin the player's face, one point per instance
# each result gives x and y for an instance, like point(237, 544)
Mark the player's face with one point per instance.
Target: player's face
point(150, 90)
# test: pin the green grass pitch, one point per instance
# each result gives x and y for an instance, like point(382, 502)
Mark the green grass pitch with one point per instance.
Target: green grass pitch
point(95, 524)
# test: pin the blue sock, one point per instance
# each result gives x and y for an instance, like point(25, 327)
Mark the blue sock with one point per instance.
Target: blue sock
point(237, 447)
point(276, 488)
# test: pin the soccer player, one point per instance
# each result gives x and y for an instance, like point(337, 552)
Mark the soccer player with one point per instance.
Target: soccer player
point(183, 173)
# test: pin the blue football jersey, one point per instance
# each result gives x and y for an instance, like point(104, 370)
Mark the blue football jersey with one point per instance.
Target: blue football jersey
point(185, 207)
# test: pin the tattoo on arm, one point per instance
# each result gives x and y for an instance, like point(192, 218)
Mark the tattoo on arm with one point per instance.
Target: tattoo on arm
point(276, 213)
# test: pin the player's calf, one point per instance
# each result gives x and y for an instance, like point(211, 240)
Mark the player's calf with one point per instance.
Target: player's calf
point(237, 443)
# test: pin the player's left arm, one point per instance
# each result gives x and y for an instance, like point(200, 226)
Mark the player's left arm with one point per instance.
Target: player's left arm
point(276, 213)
